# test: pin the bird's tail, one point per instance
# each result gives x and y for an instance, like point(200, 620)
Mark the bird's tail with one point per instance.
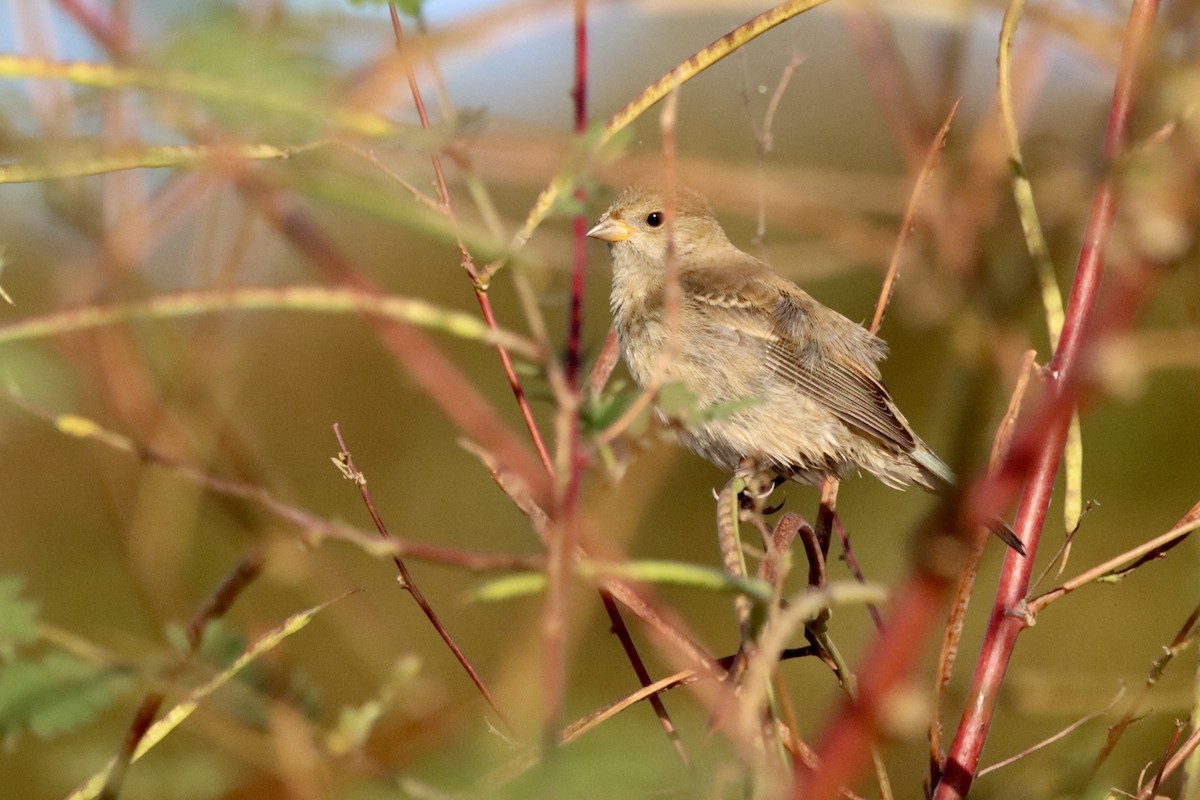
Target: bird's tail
point(939, 478)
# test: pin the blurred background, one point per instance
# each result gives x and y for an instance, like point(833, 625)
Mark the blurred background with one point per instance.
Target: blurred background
point(115, 548)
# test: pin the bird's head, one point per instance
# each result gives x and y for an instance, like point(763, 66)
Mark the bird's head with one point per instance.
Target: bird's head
point(635, 226)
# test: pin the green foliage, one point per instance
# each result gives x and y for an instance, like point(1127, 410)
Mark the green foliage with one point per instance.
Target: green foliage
point(679, 403)
point(18, 616)
point(673, 573)
point(510, 587)
point(55, 695)
point(599, 412)
point(355, 723)
point(51, 696)
point(410, 7)
point(259, 80)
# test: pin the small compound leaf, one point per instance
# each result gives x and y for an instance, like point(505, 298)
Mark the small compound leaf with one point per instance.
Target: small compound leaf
point(56, 695)
point(175, 717)
point(600, 412)
point(18, 616)
point(679, 403)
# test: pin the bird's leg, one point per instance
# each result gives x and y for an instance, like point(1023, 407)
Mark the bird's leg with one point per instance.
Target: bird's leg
point(775, 483)
point(758, 485)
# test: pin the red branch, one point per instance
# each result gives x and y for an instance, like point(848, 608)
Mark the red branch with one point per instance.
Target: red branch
point(562, 549)
point(845, 748)
point(1004, 626)
point(468, 263)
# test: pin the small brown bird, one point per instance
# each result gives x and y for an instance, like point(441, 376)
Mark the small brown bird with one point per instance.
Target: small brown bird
point(816, 405)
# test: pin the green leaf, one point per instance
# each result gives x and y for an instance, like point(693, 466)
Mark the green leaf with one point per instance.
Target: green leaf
point(719, 410)
point(681, 404)
point(18, 617)
point(354, 727)
point(56, 695)
point(672, 573)
point(679, 573)
point(355, 723)
point(509, 587)
point(411, 8)
point(175, 717)
point(599, 412)
point(678, 402)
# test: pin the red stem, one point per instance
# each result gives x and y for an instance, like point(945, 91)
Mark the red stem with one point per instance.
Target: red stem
point(410, 585)
point(844, 749)
point(99, 25)
point(579, 252)
point(468, 263)
point(1004, 626)
point(563, 547)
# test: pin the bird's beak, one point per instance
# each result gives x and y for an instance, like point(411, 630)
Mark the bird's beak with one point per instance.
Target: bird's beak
point(609, 229)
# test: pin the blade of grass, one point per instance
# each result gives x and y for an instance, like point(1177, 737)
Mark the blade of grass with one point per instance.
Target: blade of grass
point(111, 76)
point(142, 158)
point(1035, 241)
point(167, 723)
point(312, 299)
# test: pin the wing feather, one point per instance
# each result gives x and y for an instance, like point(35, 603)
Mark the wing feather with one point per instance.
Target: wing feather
point(836, 369)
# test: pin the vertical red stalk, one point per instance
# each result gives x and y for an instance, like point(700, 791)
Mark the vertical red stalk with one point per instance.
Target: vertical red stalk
point(564, 544)
point(843, 752)
point(579, 259)
point(1004, 626)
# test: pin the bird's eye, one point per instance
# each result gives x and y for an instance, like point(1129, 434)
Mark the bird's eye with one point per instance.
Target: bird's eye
point(654, 219)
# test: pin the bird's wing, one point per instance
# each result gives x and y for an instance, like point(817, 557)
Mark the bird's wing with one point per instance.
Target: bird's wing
point(836, 368)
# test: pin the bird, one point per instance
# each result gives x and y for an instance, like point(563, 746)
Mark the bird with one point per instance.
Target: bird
point(801, 382)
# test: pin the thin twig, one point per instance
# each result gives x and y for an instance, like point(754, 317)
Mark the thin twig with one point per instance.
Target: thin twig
point(606, 362)
point(639, 667)
point(1119, 565)
point(1185, 637)
point(932, 157)
point(888, 76)
point(680, 645)
point(672, 293)
point(297, 299)
point(855, 569)
point(214, 607)
point(1065, 732)
point(687, 69)
point(345, 463)
point(477, 279)
point(313, 527)
point(570, 462)
point(766, 139)
point(430, 369)
point(93, 21)
point(1171, 765)
point(1039, 251)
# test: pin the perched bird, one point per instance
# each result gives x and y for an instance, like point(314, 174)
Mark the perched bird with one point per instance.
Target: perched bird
point(815, 406)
